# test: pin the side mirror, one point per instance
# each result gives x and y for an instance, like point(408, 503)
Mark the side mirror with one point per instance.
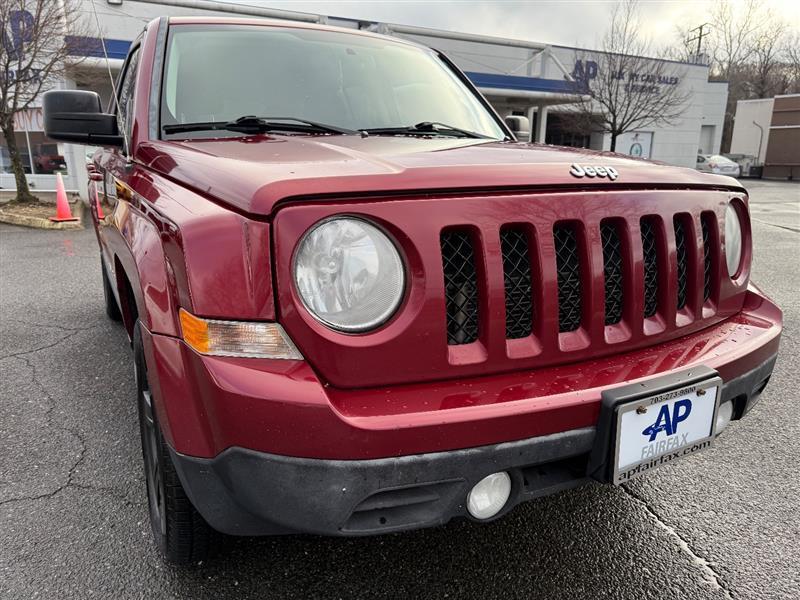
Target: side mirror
point(75, 116)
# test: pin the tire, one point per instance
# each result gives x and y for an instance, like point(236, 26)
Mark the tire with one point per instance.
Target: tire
point(181, 534)
point(112, 309)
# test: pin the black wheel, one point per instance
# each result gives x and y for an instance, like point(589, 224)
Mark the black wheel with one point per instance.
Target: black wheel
point(180, 532)
point(112, 310)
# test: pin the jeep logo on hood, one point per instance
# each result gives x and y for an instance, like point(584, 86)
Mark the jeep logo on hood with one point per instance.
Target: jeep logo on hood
point(577, 170)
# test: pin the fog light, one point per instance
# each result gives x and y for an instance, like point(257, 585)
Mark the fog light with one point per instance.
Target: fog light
point(724, 415)
point(489, 495)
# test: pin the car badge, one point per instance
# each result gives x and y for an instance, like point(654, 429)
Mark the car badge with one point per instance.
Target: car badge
point(579, 171)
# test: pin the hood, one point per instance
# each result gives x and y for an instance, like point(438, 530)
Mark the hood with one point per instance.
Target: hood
point(253, 174)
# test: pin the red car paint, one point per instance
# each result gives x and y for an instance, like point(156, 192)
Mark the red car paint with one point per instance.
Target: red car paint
point(210, 226)
point(218, 402)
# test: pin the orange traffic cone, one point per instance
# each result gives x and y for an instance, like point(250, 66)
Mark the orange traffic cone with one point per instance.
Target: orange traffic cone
point(100, 214)
point(62, 205)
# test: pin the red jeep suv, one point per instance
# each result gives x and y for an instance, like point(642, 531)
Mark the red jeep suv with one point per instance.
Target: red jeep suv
point(358, 305)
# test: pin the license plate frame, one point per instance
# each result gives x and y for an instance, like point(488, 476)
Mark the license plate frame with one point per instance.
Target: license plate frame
point(603, 459)
point(668, 449)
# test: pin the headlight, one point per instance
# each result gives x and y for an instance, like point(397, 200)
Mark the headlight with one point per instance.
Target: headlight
point(733, 240)
point(349, 274)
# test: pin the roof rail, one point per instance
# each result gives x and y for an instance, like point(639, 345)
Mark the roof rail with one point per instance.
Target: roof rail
point(241, 9)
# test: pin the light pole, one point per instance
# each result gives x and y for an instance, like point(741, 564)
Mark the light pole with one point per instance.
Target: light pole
point(760, 140)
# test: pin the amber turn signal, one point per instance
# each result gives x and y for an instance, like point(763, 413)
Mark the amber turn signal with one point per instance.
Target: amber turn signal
point(237, 338)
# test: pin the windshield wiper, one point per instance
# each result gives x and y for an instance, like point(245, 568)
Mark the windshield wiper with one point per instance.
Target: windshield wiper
point(251, 125)
point(427, 128)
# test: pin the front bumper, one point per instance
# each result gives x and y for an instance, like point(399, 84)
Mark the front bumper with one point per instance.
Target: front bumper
point(264, 446)
point(207, 404)
point(243, 492)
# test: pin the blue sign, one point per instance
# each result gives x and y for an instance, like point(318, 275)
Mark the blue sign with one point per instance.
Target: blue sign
point(18, 33)
point(585, 71)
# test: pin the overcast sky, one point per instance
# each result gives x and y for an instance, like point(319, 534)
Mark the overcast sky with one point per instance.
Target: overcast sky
point(565, 22)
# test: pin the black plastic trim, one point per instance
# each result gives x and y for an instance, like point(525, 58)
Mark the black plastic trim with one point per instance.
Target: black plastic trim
point(244, 492)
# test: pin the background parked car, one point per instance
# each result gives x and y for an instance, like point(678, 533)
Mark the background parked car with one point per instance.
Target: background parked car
point(749, 164)
point(47, 164)
point(714, 163)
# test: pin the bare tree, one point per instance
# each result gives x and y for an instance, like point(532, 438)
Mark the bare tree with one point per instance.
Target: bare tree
point(791, 54)
point(733, 28)
point(747, 44)
point(767, 50)
point(38, 39)
point(682, 49)
point(626, 90)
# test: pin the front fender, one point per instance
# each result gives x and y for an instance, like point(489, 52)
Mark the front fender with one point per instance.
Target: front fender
point(149, 272)
point(181, 250)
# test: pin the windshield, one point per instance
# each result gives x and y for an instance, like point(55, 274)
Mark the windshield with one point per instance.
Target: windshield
point(220, 73)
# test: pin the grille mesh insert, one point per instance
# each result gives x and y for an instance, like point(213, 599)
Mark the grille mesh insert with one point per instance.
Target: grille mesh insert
point(683, 266)
point(568, 267)
point(460, 287)
point(612, 269)
point(650, 252)
point(517, 279)
point(706, 258)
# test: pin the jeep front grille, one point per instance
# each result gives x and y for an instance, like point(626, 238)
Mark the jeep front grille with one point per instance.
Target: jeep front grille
point(504, 280)
point(517, 280)
point(568, 269)
point(572, 244)
point(681, 258)
point(650, 253)
point(612, 270)
point(460, 287)
point(708, 223)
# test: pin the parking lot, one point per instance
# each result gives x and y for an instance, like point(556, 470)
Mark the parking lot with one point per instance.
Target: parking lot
point(73, 514)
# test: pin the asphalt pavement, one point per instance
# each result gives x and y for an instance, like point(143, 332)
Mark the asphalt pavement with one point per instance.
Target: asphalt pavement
point(73, 514)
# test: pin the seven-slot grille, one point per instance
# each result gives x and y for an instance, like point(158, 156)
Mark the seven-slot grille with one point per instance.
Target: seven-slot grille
point(460, 287)
point(708, 223)
point(517, 280)
point(568, 269)
point(650, 254)
point(681, 258)
point(612, 271)
point(570, 239)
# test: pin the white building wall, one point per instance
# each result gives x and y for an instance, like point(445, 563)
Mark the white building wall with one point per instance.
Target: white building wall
point(715, 100)
point(676, 143)
point(746, 134)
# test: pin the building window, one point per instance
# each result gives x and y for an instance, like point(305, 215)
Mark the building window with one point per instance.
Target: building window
point(40, 155)
point(563, 131)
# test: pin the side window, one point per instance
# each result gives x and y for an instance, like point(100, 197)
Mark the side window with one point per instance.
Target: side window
point(127, 94)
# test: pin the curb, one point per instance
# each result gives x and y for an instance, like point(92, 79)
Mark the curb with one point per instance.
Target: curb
point(40, 222)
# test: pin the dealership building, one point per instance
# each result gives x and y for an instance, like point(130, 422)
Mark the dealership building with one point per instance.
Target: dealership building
point(532, 82)
point(768, 130)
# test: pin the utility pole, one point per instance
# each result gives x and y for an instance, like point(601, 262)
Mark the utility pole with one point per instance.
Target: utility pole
point(699, 37)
